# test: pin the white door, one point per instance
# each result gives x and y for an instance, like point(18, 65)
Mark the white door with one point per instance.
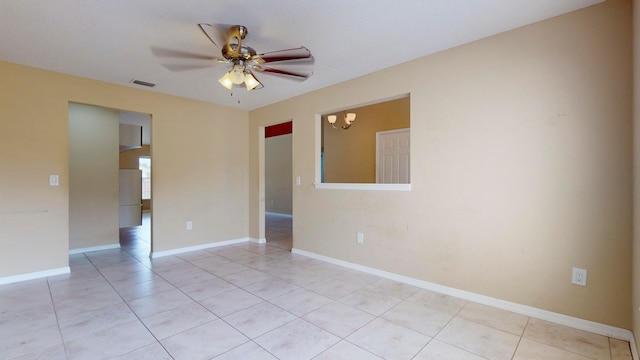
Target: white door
point(393, 156)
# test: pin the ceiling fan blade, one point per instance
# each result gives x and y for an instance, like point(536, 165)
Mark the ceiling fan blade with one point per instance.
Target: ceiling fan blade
point(289, 74)
point(217, 34)
point(301, 53)
point(184, 67)
point(164, 52)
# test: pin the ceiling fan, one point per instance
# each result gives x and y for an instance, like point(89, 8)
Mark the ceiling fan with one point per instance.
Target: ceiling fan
point(244, 60)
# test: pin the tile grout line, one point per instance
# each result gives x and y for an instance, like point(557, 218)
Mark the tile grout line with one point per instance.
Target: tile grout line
point(515, 351)
point(55, 312)
point(445, 325)
point(340, 338)
point(129, 307)
point(250, 339)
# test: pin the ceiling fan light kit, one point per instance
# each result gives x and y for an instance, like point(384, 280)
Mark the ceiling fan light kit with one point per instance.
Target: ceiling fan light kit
point(245, 60)
point(239, 75)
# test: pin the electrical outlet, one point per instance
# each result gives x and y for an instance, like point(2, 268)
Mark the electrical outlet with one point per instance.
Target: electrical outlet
point(360, 238)
point(54, 180)
point(189, 225)
point(579, 277)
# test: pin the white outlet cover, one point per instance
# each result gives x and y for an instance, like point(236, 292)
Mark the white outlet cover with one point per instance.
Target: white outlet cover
point(54, 180)
point(579, 277)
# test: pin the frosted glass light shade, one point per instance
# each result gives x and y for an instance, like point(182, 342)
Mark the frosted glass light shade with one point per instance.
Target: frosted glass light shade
point(250, 81)
point(226, 81)
point(237, 75)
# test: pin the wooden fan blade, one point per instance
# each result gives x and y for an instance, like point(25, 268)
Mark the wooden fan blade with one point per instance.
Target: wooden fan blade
point(217, 34)
point(164, 52)
point(184, 67)
point(289, 74)
point(301, 53)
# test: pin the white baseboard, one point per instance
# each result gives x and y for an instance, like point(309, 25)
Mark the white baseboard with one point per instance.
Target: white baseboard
point(259, 241)
point(198, 247)
point(34, 275)
point(561, 319)
point(94, 248)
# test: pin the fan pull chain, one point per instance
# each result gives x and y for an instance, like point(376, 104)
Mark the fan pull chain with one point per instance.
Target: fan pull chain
point(232, 96)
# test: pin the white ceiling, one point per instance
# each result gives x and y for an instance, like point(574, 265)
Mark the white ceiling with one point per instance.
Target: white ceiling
point(111, 40)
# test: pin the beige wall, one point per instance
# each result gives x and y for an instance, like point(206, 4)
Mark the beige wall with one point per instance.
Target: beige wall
point(93, 176)
point(350, 155)
point(635, 308)
point(277, 174)
point(521, 145)
point(196, 175)
point(130, 160)
point(33, 145)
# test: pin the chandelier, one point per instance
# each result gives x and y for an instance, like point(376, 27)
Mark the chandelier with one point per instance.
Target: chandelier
point(348, 119)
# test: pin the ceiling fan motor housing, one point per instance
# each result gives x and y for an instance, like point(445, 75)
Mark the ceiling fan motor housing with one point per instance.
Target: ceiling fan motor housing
point(233, 48)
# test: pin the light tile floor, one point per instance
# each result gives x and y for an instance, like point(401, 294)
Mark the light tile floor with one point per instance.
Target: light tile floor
point(253, 301)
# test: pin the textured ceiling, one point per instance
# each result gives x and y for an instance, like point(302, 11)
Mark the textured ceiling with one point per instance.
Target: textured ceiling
point(111, 40)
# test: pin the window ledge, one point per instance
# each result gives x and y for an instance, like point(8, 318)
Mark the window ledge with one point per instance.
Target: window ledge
point(346, 186)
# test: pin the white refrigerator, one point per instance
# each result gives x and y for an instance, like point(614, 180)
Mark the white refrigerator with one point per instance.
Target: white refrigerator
point(130, 197)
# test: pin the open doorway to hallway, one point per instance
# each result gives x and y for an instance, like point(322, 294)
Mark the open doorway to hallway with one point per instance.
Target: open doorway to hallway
point(135, 233)
point(278, 172)
point(96, 211)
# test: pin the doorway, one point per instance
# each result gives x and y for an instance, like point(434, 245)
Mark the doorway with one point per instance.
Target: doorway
point(135, 238)
point(278, 175)
point(94, 163)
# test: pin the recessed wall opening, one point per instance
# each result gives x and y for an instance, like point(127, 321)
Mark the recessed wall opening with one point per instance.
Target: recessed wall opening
point(367, 144)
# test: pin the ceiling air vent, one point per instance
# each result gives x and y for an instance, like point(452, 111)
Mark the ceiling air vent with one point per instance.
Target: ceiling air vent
point(143, 83)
